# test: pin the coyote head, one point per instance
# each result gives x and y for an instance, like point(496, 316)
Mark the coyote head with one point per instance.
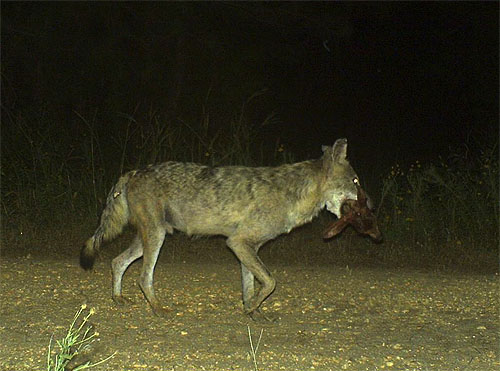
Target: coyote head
point(340, 179)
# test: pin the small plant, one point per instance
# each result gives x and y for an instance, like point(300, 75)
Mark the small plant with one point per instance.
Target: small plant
point(76, 340)
point(254, 349)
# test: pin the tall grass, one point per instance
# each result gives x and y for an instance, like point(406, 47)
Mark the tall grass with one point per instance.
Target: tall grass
point(448, 209)
point(53, 173)
point(51, 169)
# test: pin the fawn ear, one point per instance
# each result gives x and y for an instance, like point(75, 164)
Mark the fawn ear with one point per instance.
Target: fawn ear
point(361, 195)
point(335, 228)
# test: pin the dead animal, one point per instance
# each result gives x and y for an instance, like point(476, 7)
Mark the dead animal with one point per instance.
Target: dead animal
point(358, 214)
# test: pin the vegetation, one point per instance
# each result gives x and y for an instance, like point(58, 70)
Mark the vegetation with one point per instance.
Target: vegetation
point(47, 166)
point(446, 211)
point(77, 339)
point(443, 213)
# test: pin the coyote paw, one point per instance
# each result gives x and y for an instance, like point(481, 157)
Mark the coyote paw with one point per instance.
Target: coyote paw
point(258, 316)
point(121, 301)
point(161, 311)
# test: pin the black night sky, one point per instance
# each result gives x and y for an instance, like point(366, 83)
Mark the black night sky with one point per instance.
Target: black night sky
point(402, 81)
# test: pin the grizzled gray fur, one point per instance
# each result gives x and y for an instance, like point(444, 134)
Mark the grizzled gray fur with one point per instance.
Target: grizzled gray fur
point(248, 205)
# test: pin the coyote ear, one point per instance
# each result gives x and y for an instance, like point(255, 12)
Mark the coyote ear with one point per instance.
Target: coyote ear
point(340, 150)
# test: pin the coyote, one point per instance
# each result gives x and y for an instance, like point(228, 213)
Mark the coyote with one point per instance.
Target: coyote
point(248, 205)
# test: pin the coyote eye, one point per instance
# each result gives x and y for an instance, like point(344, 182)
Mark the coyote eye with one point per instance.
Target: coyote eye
point(356, 181)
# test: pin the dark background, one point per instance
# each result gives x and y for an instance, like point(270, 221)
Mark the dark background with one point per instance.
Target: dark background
point(402, 81)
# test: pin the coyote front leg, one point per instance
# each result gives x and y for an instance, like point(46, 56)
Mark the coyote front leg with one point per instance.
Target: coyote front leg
point(252, 263)
point(248, 280)
point(247, 283)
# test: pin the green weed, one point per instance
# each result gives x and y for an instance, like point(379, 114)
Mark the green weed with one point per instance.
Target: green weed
point(77, 339)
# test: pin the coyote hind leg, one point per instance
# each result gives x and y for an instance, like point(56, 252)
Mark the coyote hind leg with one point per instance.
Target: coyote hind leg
point(120, 264)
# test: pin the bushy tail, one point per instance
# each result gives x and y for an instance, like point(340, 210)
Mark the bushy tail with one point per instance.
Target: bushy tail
point(114, 218)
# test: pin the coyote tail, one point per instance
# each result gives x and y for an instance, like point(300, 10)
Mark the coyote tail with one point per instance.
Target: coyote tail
point(113, 219)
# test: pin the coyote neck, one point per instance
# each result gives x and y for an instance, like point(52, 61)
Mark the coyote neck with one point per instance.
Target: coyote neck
point(309, 200)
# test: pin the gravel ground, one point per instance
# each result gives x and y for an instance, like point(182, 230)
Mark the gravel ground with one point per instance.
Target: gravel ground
point(330, 318)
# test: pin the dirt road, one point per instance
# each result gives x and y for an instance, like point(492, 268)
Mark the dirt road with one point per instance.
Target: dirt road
point(331, 318)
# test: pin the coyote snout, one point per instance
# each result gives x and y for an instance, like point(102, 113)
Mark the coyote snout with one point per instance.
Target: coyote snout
point(248, 205)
